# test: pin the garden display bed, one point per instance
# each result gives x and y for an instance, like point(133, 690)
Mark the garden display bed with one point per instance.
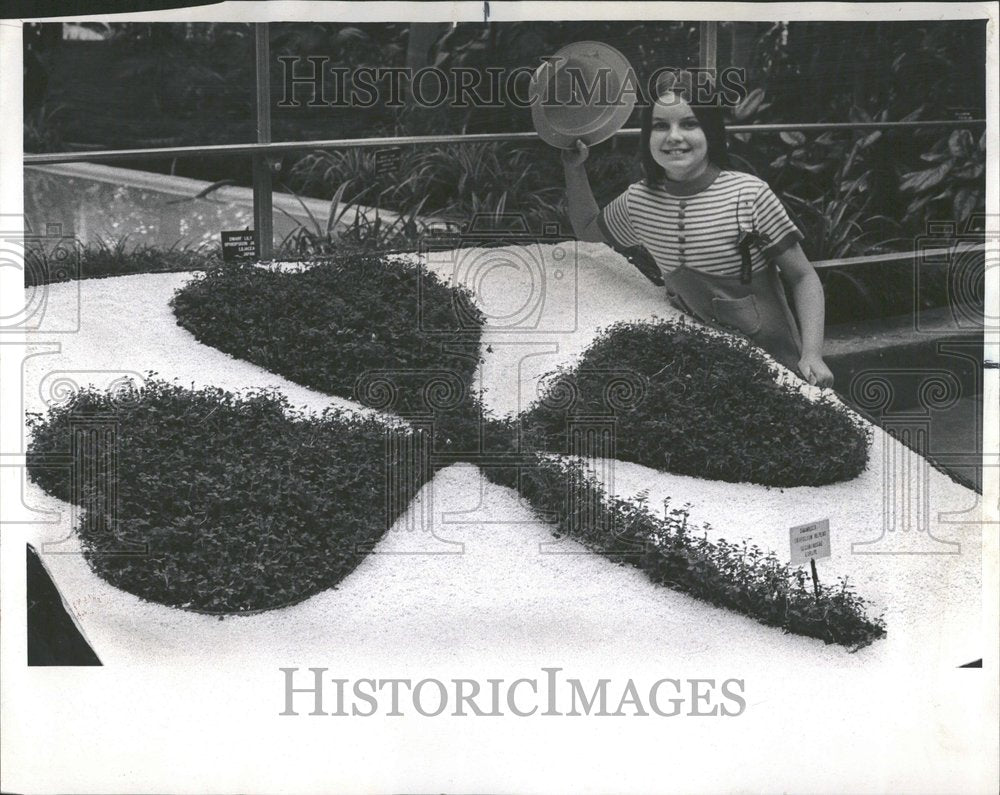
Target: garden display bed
point(149, 339)
point(468, 578)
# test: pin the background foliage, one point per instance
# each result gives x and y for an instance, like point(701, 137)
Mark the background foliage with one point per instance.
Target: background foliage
point(852, 193)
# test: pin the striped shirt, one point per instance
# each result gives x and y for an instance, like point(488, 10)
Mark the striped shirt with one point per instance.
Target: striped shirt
point(699, 224)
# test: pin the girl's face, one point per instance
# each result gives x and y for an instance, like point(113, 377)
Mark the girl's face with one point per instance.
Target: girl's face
point(677, 142)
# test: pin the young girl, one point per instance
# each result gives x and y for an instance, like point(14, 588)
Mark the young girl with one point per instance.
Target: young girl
point(716, 235)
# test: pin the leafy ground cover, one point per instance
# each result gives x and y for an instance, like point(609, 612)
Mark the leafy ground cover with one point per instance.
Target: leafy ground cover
point(685, 400)
point(66, 261)
point(243, 505)
point(673, 553)
point(225, 503)
point(370, 328)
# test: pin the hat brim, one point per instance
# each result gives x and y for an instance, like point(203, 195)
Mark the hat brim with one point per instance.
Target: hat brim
point(603, 121)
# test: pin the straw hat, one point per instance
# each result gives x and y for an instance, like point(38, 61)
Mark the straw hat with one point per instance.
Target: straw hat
point(561, 115)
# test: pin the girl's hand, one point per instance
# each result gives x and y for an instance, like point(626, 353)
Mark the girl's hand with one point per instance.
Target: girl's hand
point(576, 155)
point(815, 371)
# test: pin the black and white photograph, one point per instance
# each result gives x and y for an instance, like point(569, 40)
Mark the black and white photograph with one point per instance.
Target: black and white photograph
point(499, 397)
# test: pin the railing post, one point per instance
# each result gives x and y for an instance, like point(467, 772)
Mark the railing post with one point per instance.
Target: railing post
point(708, 34)
point(263, 219)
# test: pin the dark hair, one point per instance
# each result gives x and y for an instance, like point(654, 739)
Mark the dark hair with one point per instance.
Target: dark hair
point(713, 124)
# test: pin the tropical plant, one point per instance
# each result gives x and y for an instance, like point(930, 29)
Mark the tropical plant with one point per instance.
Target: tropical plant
point(742, 145)
point(952, 185)
point(838, 221)
point(41, 129)
point(369, 229)
point(320, 173)
point(467, 179)
point(453, 182)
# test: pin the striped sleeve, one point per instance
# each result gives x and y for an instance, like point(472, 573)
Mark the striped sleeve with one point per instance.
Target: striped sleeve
point(773, 224)
point(615, 222)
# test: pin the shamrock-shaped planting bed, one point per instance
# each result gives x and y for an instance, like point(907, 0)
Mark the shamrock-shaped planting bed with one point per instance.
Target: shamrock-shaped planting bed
point(233, 503)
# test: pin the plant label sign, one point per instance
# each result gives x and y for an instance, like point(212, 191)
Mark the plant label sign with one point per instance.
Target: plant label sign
point(387, 161)
point(810, 541)
point(239, 245)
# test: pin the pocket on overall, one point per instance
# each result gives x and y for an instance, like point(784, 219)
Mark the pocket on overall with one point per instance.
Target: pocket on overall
point(740, 313)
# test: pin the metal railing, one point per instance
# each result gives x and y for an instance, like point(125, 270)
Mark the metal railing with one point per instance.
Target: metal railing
point(262, 181)
point(280, 147)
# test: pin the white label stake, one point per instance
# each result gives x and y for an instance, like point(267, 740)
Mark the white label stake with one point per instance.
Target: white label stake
point(808, 542)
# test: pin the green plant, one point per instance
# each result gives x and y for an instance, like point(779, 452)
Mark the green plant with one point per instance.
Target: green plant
point(322, 173)
point(464, 179)
point(832, 224)
point(41, 129)
point(202, 473)
point(814, 71)
point(953, 185)
point(454, 183)
point(222, 503)
point(181, 83)
point(836, 172)
point(105, 258)
point(188, 75)
point(843, 177)
point(686, 400)
point(369, 230)
point(367, 327)
point(739, 577)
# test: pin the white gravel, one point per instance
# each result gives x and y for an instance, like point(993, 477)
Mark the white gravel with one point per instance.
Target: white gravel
point(496, 601)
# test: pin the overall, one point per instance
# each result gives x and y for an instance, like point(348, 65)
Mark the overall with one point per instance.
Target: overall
point(753, 303)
